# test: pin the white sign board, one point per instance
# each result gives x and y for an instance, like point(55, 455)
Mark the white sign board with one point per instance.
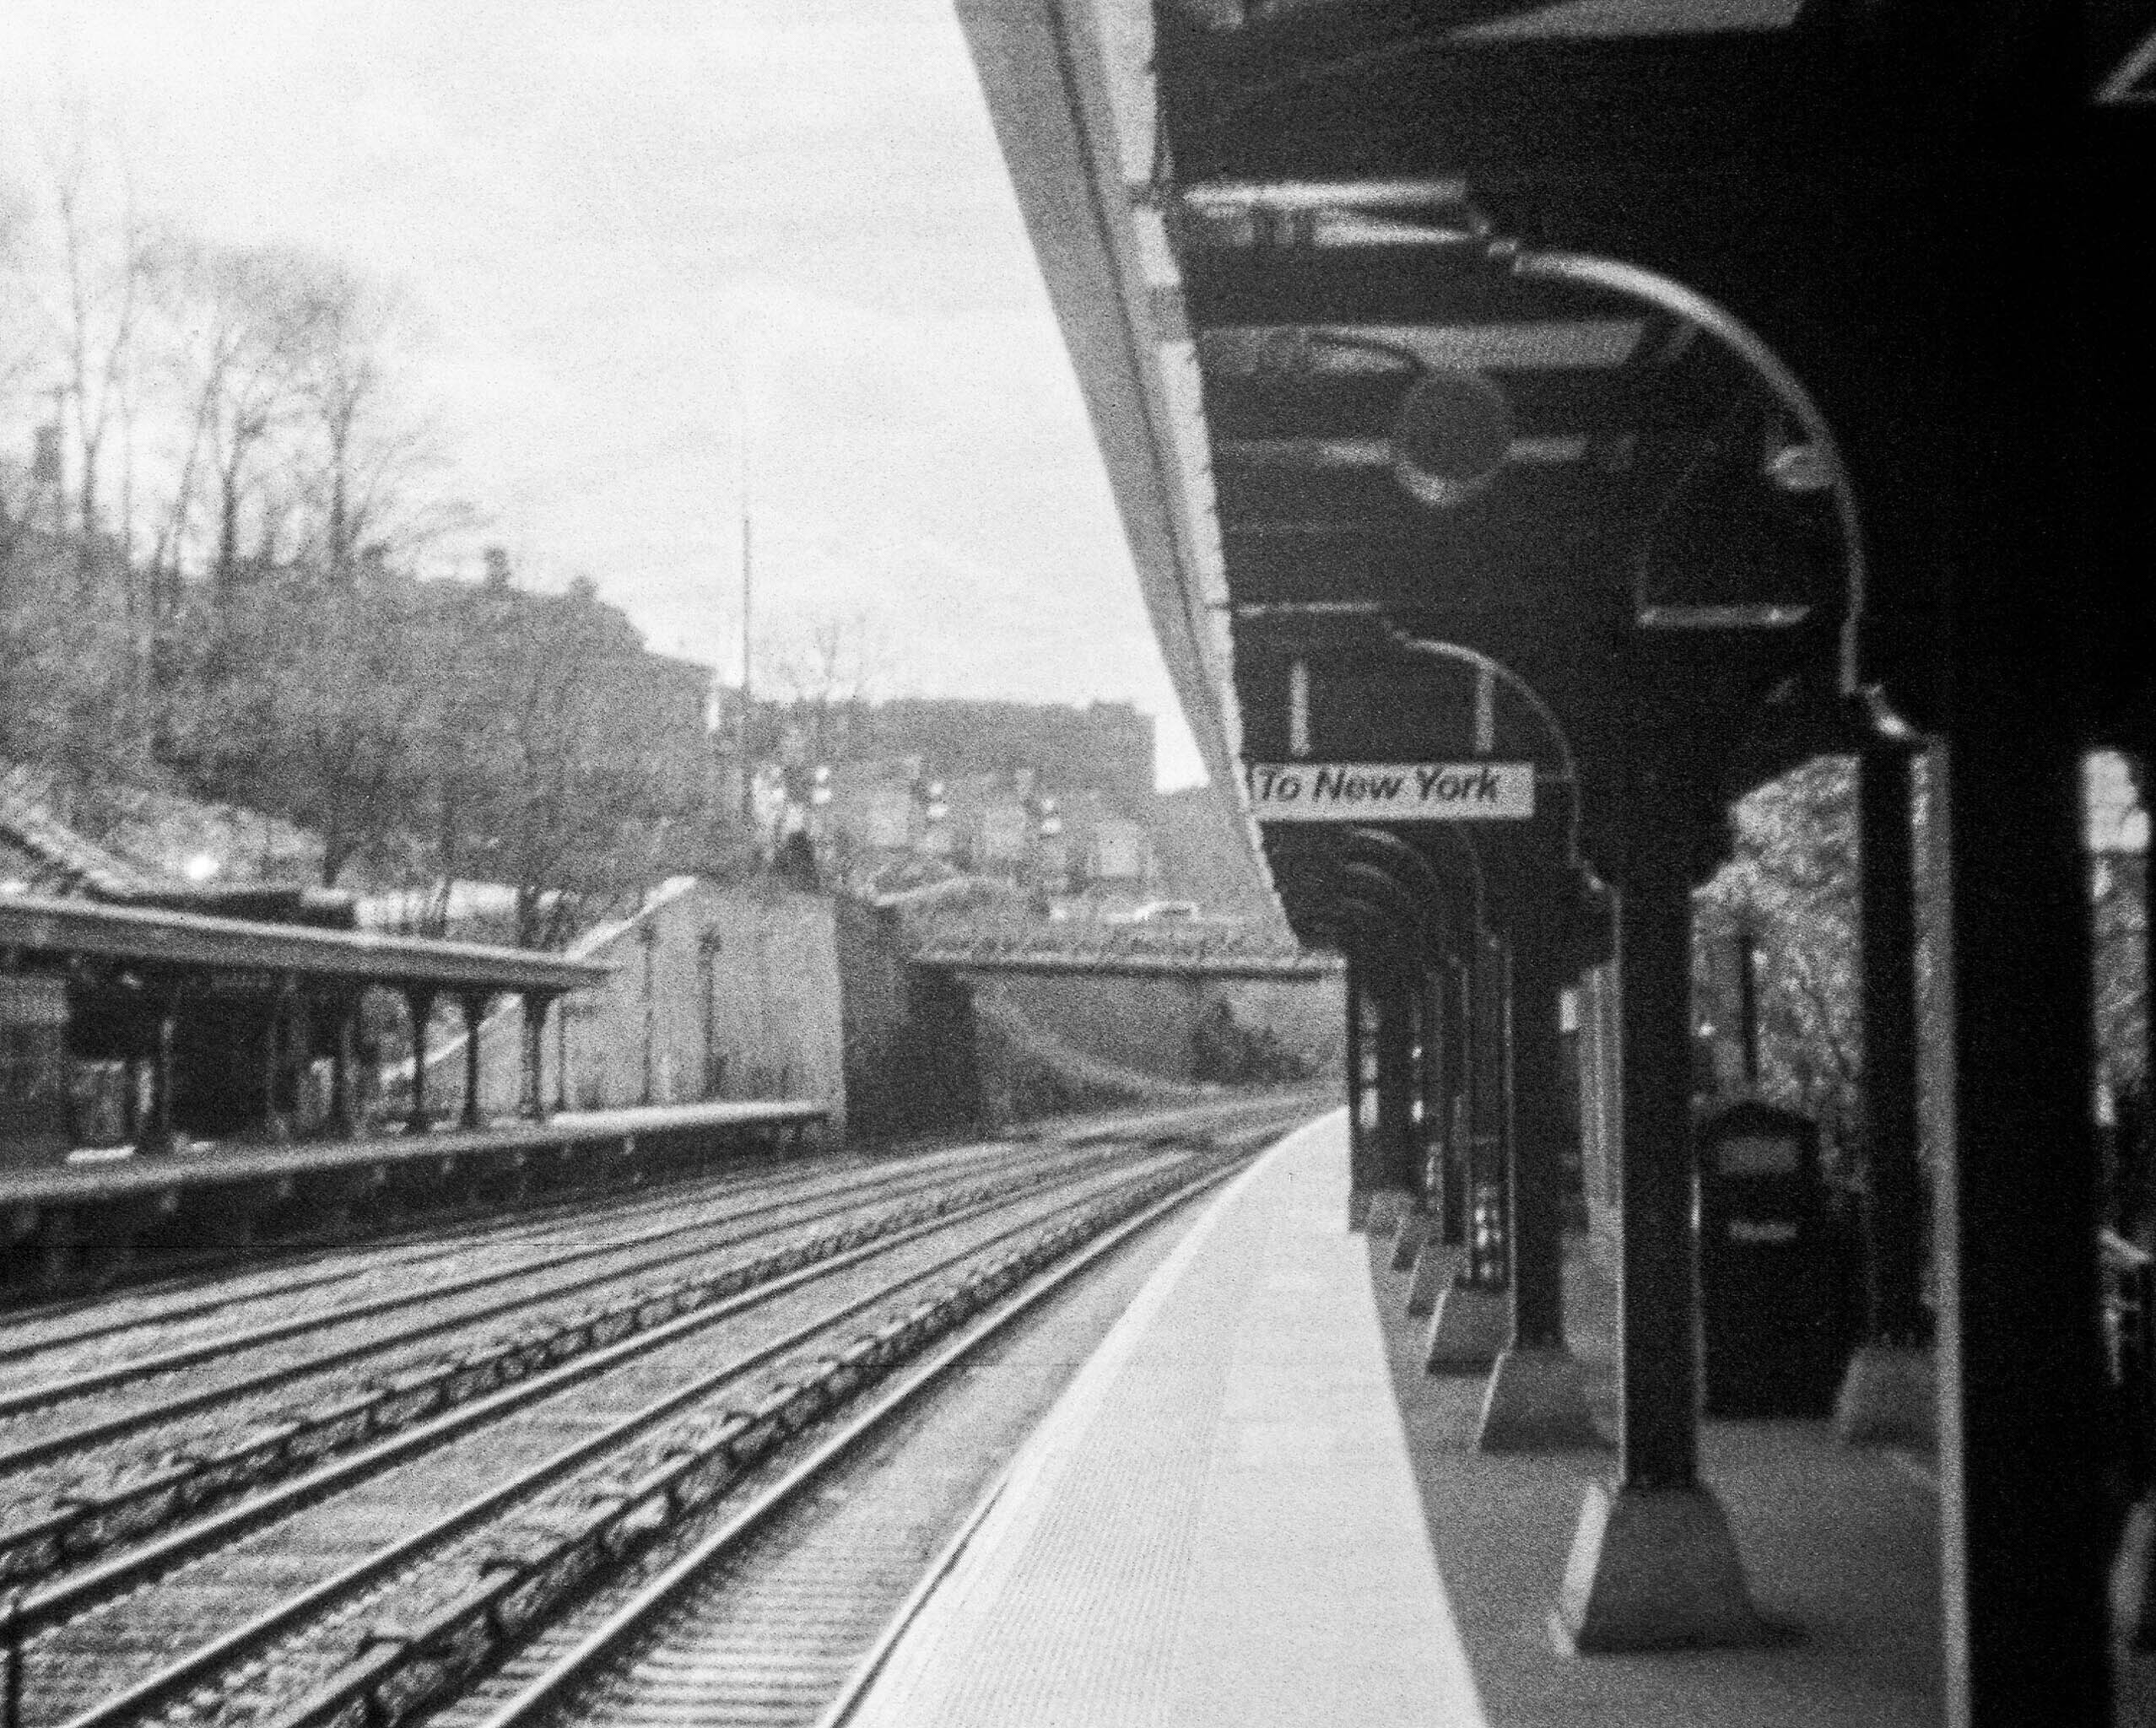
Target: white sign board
point(1390, 791)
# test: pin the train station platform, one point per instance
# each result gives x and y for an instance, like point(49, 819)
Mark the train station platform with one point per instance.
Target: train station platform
point(1253, 1507)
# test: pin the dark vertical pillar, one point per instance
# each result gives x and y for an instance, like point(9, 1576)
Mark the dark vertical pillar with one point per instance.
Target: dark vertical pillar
point(1653, 1565)
point(1538, 1244)
point(536, 1003)
point(419, 1009)
point(276, 1029)
point(1490, 1114)
point(1536, 1398)
point(1894, 1212)
point(1431, 1079)
point(473, 1003)
point(157, 1132)
point(1392, 1167)
point(1459, 1065)
point(2025, 1526)
point(343, 1115)
point(1358, 1174)
point(561, 1059)
point(1748, 1002)
point(1659, 1440)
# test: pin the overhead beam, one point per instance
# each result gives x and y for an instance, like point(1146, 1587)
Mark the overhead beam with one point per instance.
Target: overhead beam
point(1431, 107)
point(1527, 506)
point(1595, 400)
point(1374, 285)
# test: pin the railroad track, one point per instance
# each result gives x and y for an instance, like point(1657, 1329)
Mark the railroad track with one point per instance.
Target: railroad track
point(234, 1311)
point(121, 1476)
point(768, 1614)
point(226, 1587)
point(544, 1482)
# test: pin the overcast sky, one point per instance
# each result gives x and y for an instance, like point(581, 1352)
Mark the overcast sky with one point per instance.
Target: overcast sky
point(621, 215)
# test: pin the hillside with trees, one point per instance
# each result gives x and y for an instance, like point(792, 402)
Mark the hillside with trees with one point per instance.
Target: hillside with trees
point(219, 487)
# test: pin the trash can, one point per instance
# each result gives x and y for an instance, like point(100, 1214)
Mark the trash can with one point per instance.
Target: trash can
point(1771, 1319)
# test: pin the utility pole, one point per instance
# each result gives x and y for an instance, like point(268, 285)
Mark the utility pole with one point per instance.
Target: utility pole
point(748, 590)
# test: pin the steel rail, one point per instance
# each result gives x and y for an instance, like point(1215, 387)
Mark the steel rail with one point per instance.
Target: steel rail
point(47, 1393)
point(452, 1231)
point(548, 1692)
point(192, 1669)
point(83, 1435)
point(41, 1608)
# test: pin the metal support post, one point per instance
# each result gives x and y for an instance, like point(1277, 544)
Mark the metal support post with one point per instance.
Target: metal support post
point(344, 1111)
point(419, 1009)
point(274, 1041)
point(157, 1133)
point(1459, 1046)
point(536, 1003)
point(1889, 1393)
point(473, 1003)
point(1653, 1565)
point(1537, 1399)
point(1489, 1142)
point(1392, 1167)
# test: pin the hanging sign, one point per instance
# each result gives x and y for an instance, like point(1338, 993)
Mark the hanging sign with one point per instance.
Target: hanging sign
point(1390, 791)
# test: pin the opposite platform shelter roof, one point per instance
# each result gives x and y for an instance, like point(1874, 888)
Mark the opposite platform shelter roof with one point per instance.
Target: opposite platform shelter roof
point(31, 926)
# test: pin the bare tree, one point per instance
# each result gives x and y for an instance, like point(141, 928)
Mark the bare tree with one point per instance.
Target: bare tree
point(234, 322)
point(91, 303)
point(826, 674)
point(374, 463)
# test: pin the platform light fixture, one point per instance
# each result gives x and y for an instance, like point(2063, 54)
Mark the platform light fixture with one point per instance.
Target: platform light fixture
point(1450, 437)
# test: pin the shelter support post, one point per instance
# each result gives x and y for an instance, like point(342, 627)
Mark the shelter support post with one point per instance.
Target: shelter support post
point(1889, 1395)
point(1653, 1564)
point(1357, 1170)
point(2026, 1526)
point(1537, 1399)
point(473, 1003)
point(1473, 1318)
point(1425, 1114)
point(344, 1070)
point(1392, 1174)
point(157, 1135)
point(1458, 1031)
point(1443, 1130)
point(279, 1035)
point(419, 1009)
point(536, 1002)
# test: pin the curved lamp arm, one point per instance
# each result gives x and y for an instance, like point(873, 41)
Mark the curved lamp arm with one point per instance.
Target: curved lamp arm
point(1668, 295)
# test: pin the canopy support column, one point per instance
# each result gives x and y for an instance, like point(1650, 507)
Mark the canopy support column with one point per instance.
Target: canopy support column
point(1538, 1398)
point(157, 1134)
point(1472, 1319)
point(473, 1003)
point(1653, 1565)
point(1392, 1158)
point(536, 1002)
point(419, 1009)
point(343, 1075)
point(1890, 1395)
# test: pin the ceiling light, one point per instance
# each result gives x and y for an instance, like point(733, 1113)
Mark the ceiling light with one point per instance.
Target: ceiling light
point(1450, 437)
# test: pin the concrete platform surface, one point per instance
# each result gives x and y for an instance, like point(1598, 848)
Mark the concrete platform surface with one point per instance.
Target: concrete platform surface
point(1217, 1523)
point(1252, 1507)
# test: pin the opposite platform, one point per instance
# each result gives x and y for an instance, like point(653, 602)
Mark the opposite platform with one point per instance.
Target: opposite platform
point(1218, 1522)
